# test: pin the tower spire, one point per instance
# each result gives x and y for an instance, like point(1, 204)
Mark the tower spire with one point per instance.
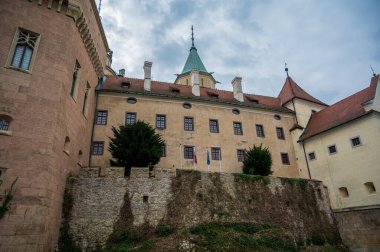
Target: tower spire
point(192, 36)
point(286, 69)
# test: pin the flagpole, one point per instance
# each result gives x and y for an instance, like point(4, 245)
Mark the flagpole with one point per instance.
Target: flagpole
point(180, 154)
point(208, 160)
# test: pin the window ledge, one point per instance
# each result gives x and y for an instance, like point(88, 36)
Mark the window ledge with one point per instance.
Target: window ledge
point(66, 152)
point(6, 132)
point(19, 69)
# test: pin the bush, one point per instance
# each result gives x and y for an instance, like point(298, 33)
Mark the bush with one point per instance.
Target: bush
point(258, 161)
point(136, 145)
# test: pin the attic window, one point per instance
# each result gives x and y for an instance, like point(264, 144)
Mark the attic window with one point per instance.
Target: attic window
point(187, 105)
point(252, 99)
point(277, 117)
point(175, 90)
point(125, 84)
point(131, 100)
point(213, 95)
point(236, 111)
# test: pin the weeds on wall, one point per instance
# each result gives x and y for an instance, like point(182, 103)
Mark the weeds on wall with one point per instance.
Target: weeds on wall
point(65, 241)
point(7, 199)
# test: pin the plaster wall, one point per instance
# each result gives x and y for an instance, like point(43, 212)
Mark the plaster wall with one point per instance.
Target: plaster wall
point(205, 80)
point(201, 138)
point(350, 167)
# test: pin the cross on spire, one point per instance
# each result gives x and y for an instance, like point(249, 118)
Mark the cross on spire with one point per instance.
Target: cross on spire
point(192, 36)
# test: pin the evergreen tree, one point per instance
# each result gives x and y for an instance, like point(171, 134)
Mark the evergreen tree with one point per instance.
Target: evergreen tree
point(258, 161)
point(136, 145)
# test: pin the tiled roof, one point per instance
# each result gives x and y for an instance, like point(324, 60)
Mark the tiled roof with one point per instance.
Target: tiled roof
point(291, 90)
point(113, 84)
point(341, 112)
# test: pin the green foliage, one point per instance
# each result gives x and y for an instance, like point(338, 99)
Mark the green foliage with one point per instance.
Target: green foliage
point(65, 241)
point(238, 237)
point(8, 197)
point(164, 231)
point(302, 183)
point(136, 145)
point(257, 161)
point(317, 240)
point(250, 178)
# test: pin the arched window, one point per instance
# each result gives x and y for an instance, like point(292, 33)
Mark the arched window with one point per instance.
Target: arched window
point(370, 187)
point(343, 192)
point(5, 124)
point(66, 145)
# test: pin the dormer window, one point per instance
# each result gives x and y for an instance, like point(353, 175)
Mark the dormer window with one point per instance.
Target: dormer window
point(125, 84)
point(175, 90)
point(213, 95)
point(252, 99)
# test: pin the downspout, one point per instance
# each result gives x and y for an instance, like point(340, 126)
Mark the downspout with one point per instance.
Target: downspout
point(100, 82)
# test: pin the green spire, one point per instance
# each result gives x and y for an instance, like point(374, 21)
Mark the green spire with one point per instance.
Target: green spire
point(193, 60)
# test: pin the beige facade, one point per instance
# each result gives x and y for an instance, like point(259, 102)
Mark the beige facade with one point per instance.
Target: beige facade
point(351, 168)
point(205, 80)
point(200, 138)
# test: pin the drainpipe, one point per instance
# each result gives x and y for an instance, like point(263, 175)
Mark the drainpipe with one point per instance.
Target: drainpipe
point(100, 82)
point(307, 163)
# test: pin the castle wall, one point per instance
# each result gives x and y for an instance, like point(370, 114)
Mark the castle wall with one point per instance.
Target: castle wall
point(43, 115)
point(201, 138)
point(107, 206)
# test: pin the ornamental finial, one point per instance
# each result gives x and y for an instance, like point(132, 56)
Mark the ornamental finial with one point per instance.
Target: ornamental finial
point(192, 36)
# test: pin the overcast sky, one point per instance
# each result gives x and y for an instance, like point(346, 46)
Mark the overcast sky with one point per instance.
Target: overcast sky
point(328, 45)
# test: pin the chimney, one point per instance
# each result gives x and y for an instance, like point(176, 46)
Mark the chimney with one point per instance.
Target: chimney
point(238, 90)
point(376, 100)
point(195, 82)
point(147, 75)
point(121, 72)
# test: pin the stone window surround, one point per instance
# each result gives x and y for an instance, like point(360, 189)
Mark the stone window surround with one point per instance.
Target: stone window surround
point(11, 53)
point(214, 125)
point(260, 130)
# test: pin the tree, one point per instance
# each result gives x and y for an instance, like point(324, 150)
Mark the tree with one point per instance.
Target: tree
point(136, 145)
point(258, 161)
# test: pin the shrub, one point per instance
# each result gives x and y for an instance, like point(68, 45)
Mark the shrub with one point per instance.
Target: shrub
point(258, 161)
point(136, 145)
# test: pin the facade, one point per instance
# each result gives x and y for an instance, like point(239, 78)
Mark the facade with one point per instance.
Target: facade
point(59, 99)
point(52, 54)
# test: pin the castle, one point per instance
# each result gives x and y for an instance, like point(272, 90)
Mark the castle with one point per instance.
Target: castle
point(59, 98)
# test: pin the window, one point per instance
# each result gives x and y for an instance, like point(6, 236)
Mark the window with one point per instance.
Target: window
point(23, 50)
point(189, 123)
point(285, 158)
point(97, 148)
point(311, 156)
point(280, 133)
point(163, 150)
point(277, 117)
point(370, 187)
point(240, 155)
point(101, 117)
point(235, 111)
point(125, 84)
point(214, 126)
point(160, 121)
point(260, 130)
point(343, 192)
point(355, 142)
point(75, 80)
point(131, 100)
point(187, 105)
point(5, 122)
point(213, 95)
point(130, 118)
point(188, 152)
point(216, 154)
point(176, 90)
point(237, 128)
point(332, 149)
point(85, 100)
point(66, 145)
point(251, 99)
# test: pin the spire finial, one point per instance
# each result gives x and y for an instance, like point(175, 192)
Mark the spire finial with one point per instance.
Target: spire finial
point(286, 69)
point(192, 36)
point(373, 72)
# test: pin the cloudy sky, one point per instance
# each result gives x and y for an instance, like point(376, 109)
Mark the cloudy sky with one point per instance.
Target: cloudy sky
point(328, 45)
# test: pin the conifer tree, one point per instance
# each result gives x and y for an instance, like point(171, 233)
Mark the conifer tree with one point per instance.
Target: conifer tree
point(258, 161)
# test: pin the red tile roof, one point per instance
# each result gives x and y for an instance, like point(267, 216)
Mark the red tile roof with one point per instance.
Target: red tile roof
point(291, 90)
point(113, 84)
point(341, 112)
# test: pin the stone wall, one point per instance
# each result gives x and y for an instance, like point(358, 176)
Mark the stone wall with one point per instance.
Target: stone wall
point(360, 228)
point(106, 206)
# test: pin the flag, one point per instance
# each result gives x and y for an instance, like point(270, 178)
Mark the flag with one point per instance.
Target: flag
point(208, 160)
